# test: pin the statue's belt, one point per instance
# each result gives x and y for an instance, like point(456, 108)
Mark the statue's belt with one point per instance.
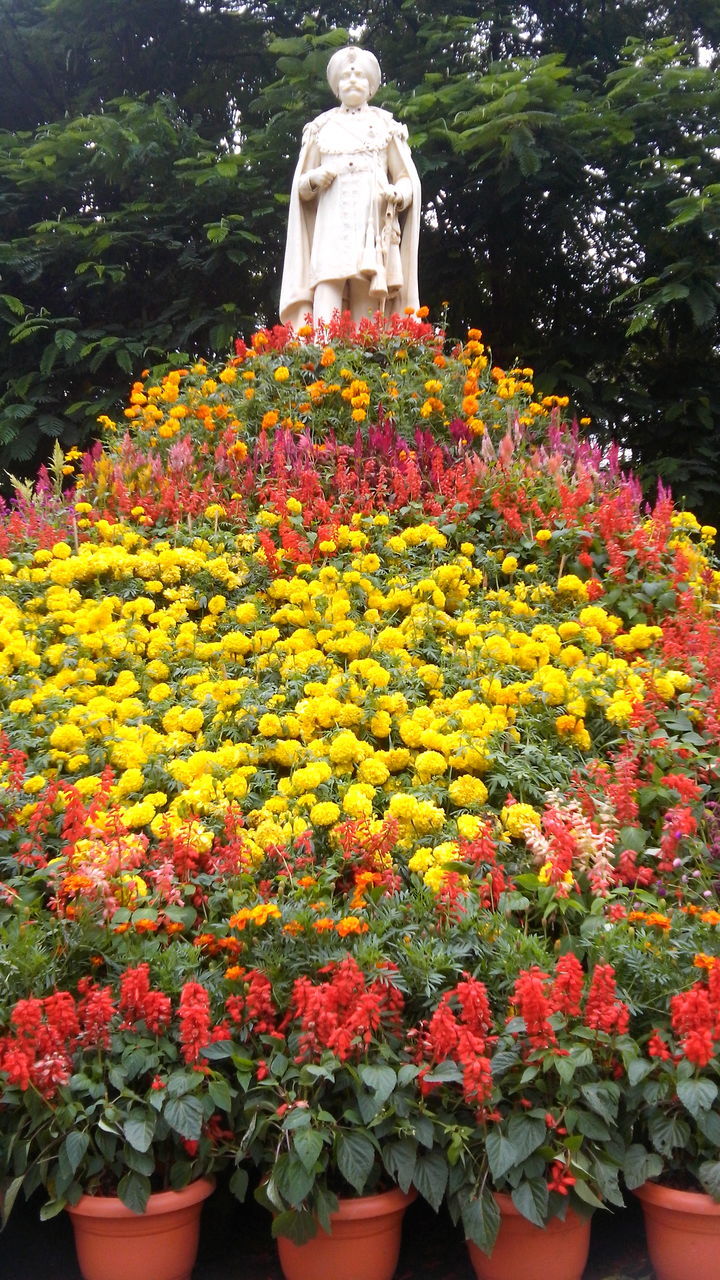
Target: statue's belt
point(358, 162)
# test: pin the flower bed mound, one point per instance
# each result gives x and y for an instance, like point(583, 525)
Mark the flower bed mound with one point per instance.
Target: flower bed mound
point(354, 648)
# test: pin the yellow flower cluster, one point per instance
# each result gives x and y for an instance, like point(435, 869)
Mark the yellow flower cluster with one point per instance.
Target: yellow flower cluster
point(383, 681)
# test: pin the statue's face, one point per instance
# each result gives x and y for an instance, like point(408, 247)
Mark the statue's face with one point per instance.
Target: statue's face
point(353, 86)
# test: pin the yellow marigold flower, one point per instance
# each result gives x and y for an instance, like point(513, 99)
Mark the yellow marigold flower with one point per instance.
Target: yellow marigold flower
point(358, 800)
point(509, 564)
point(430, 764)
point(192, 720)
point(516, 817)
point(571, 585)
point(435, 876)
point(373, 771)
point(466, 791)
point(67, 737)
point(270, 726)
point(282, 373)
point(469, 826)
point(619, 711)
point(139, 815)
point(325, 813)
point(228, 376)
point(543, 535)
point(61, 551)
point(33, 784)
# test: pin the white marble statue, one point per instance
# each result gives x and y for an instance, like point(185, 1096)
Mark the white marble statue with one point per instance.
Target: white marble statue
point(355, 206)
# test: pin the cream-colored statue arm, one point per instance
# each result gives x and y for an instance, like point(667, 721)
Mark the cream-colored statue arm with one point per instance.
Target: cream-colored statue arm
point(401, 180)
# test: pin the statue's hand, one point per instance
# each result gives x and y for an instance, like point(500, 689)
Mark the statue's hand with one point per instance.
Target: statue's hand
point(321, 178)
point(394, 196)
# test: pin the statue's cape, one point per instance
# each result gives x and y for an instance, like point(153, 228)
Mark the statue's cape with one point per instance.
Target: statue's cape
point(296, 296)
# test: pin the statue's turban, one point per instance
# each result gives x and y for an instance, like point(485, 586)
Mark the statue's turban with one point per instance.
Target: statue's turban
point(361, 58)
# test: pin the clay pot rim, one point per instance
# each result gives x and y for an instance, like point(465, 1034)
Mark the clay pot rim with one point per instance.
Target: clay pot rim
point(374, 1206)
point(160, 1202)
point(656, 1193)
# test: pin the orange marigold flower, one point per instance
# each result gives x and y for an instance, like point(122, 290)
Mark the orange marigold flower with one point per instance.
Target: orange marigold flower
point(145, 925)
point(350, 924)
point(323, 924)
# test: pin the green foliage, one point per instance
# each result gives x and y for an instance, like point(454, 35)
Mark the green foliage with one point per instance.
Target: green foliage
point(570, 174)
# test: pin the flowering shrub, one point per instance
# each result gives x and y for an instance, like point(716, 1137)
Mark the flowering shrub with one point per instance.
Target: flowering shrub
point(107, 1093)
point(675, 1090)
point(350, 660)
point(529, 1100)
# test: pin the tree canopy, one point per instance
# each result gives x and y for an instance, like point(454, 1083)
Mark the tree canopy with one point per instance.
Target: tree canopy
point(570, 159)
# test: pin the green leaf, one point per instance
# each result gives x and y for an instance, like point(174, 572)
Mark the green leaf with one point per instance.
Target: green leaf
point(13, 304)
point(134, 1191)
point(355, 1156)
point(217, 1050)
point(430, 1177)
point(185, 1115)
point(238, 1184)
point(591, 1126)
point(139, 1129)
point(76, 1145)
point(294, 1182)
point(481, 1221)
point(381, 1080)
point(400, 1159)
point(697, 1095)
point(10, 1196)
point(220, 1093)
point(709, 1172)
point(51, 1209)
point(708, 1122)
point(407, 1072)
point(500, 1153)
point(65, 339)
point(639, 1165)
point(444, 1073)
point(182, 1082)
point(297, 1225)
point(667, 1133)
point(308, 1143)
point(638, 1069)
point(531, 1200)
point(583, 1191)
point(524, 1135)
point(603, 1098)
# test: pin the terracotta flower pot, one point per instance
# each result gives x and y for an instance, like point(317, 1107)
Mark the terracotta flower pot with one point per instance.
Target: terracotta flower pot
point(683, 1232)
point(526, 1252)
point(113, 1243)
point(364, 1243)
